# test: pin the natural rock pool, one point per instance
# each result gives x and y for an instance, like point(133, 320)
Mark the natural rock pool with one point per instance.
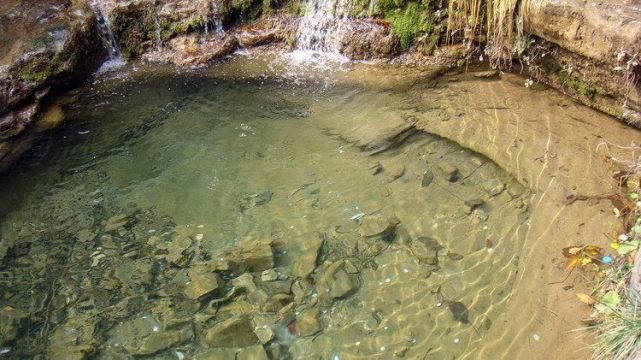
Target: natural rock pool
point(251, 211)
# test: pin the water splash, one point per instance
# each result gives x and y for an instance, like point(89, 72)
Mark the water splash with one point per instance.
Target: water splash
point(318, 39)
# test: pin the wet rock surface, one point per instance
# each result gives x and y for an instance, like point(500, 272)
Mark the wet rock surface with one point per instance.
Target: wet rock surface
point(189, 50)
point(45, 46)
point(368, 39)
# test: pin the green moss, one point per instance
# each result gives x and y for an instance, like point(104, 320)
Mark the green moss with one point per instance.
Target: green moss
point(134, 27)
point(296, 8)
point(359, 8)
point(411, 19)
point(408, 24)
point(168, 28)
point(387, 7)
point(608, 110)
point(550, 66)
point(430, 44)
point(241, 6)
point(581, 87)
point(38, 72)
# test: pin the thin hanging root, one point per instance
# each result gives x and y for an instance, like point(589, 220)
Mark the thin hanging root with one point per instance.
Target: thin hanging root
point(501, 21)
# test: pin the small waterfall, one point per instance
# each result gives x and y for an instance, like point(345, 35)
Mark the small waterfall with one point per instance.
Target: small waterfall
point(215, 19)
point(320, 27)
point(157, 32)
point(105, 29)
point(115, 59)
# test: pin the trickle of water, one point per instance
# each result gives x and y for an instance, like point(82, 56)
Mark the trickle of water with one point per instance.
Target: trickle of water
point(105, 29)
point(157, 33)
point(215, 18)
point(115, 59)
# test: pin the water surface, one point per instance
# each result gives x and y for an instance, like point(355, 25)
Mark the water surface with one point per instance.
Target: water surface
point(160, 179)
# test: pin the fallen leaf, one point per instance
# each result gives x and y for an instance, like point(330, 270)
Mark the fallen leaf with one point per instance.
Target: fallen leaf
point(572, 250)
point(572, 263)
point(591, 321)
point(628, 246)
point(586, 299)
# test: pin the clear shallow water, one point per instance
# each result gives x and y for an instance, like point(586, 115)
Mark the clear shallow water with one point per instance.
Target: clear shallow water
point(159, 181)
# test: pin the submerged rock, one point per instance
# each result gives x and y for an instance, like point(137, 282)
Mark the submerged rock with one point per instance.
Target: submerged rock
point(219, 354)
point(394, 171)
point(232, 333)
point(146, 336)
point(244, 281)
point(263, 328)
point(459, 311)
point(73, 340)
point(450, 171)
point(428, 177)
point(115, 222)
point(493, 186)
point(342, 285)
point(256, 200)
point(52, 117)
point(472, 204)
point(255, 352)
point(307, 323)
point(302, 257)
point(375, 167)
point(269, 275)
point(11, 322)
point(256, 254)
point(180, 242)
point(133, 274)
point(201, 283)
point(372, 226)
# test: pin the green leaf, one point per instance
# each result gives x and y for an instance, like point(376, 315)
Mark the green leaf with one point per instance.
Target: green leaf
point(634, 196)
point(609, 302)
point(628, 246)
point(637, 229)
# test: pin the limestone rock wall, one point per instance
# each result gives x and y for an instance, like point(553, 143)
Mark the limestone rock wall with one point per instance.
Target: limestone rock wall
point(589, 50)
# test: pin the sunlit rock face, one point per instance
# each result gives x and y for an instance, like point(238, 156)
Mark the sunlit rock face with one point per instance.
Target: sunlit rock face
point(591, 52)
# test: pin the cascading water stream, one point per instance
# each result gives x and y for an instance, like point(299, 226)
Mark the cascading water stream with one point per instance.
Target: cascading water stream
point(115, 59)
point(215, 19)
point(319, 30)
point(318, 40)
point(105, 30)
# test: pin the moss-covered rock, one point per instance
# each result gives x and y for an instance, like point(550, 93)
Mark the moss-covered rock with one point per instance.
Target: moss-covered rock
point(581, 86)
point(60, 49)
point(411, 20)
point(134, 25)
